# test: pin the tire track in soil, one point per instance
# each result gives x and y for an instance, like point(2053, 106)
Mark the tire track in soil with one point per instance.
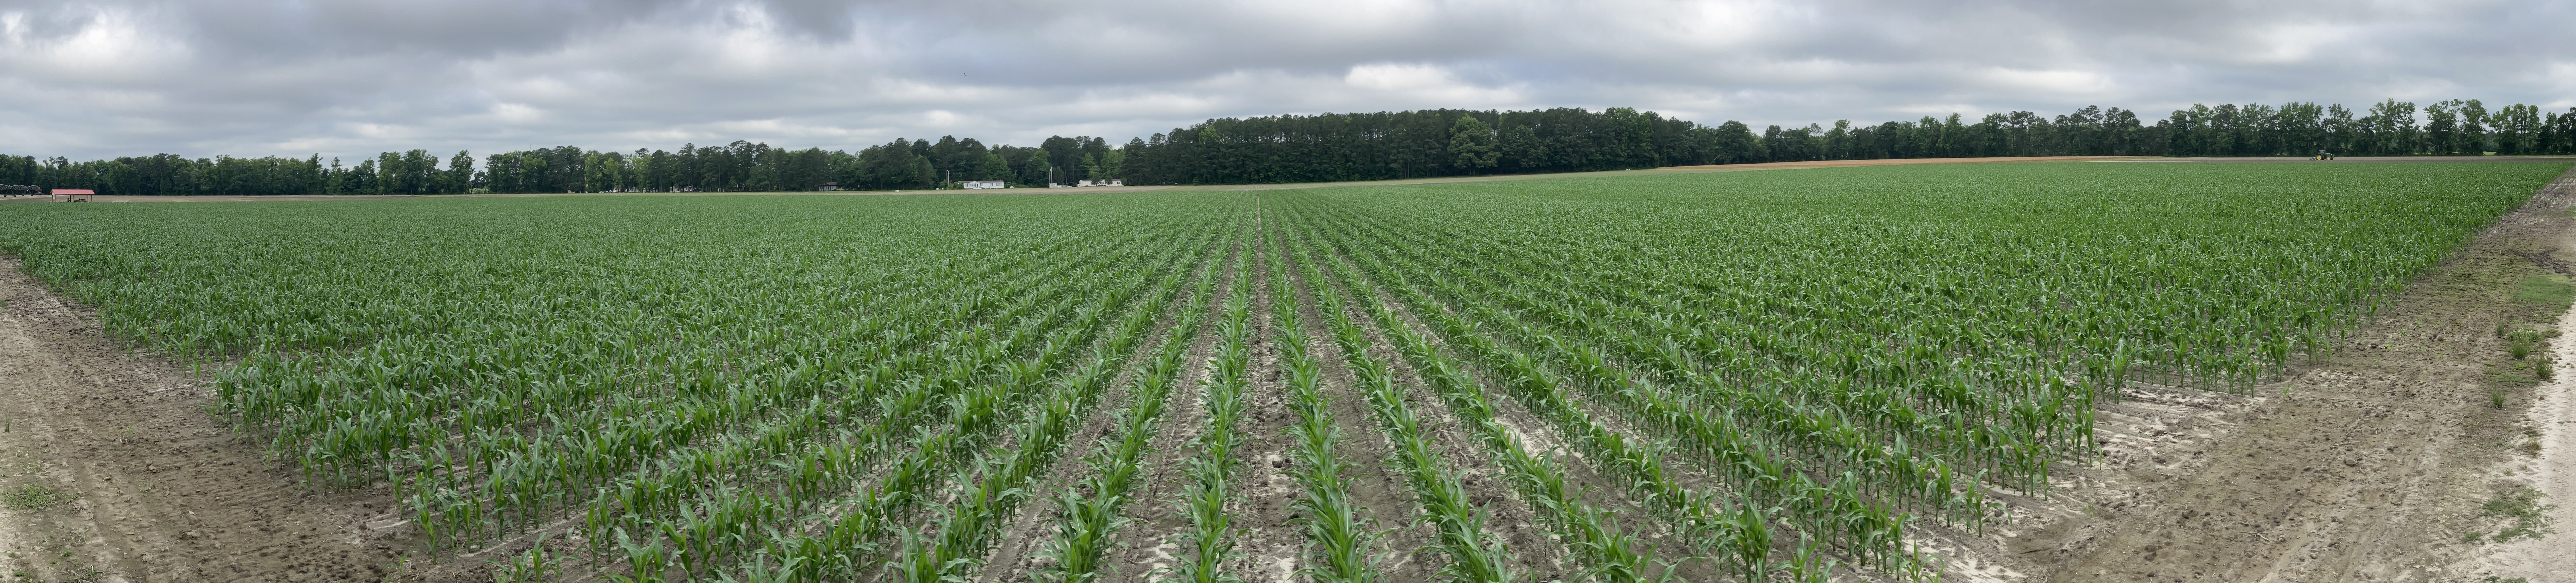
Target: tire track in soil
point(160, 490)
point(2368, 465)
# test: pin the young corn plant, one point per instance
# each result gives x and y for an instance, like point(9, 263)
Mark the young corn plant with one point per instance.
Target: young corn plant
point(1087, 520)
point(1209, 539)
point(1339, 544)
point(969, 525)
point(1474, 555)
point(1606, 553)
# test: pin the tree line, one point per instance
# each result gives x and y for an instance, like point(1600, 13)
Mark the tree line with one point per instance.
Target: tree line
point(1352, 146)
point(737, 167)
point(1377, 146)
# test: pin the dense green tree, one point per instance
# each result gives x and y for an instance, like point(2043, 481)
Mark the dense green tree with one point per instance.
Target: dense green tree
point(1029, 166)
point(362, 178)
point(2558, 133)
point(2472, 139)
point(2517, 130)
point(459, 176)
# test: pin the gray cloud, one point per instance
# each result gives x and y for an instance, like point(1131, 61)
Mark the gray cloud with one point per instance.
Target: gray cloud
point(350, 78)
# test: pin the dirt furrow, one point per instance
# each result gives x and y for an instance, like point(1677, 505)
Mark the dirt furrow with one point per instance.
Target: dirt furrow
point(114, 470)
point(2370, 464)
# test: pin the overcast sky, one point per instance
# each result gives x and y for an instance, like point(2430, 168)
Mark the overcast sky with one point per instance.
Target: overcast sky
point(354, 77)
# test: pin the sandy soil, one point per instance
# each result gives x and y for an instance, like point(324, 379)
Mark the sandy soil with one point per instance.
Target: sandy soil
point(116, 473)
point(2547, 463)
point(2552, 470)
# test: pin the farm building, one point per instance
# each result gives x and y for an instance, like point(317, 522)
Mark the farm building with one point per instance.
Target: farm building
point(72, 194)
point(982, 184)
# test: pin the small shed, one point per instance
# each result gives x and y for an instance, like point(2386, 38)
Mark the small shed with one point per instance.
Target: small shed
point(72, 194)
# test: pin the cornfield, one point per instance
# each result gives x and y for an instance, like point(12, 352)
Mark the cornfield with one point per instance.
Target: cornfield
point(1737, 377)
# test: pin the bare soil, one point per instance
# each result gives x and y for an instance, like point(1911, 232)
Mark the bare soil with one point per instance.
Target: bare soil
point(117, 472)
point(2371, 464)
point(2548, 464)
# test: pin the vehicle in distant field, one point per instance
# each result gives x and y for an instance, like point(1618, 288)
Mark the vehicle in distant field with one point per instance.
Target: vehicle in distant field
point(982, 184)
point(2323, 155)
point(72, 194)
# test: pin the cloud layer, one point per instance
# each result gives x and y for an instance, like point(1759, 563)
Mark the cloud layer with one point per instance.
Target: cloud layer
point(354, 77)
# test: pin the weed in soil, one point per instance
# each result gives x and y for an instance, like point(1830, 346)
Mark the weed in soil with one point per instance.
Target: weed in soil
point(2521, 506)
point(35, 497)
point(80, 573)
point(2547, 291)
point(2520, 342)
point(2504, 375)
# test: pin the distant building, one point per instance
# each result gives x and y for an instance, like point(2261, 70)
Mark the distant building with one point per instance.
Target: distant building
point(982, 184)
point(72, 195)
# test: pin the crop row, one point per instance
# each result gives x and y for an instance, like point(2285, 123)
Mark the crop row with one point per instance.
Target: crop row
point(1752, 376)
